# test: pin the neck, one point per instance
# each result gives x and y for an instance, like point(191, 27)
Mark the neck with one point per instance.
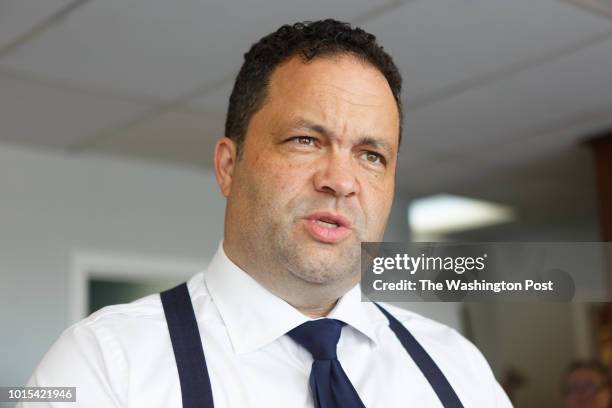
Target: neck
point(316, 311)
point(311, 299)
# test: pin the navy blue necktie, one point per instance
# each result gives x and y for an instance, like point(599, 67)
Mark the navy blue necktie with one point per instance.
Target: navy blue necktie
point(330, 386)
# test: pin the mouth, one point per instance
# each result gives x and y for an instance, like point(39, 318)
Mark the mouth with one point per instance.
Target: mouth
point(328, 227)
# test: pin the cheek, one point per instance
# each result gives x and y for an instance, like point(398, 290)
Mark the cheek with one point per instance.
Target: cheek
point(377, 202)
point(379, 191)
point(280, 182)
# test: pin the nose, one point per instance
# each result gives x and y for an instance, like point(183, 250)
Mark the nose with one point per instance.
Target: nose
point(337, 176)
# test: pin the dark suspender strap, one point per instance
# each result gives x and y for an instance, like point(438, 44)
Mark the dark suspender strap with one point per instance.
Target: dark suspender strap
point(187, 345)
point(428, 367)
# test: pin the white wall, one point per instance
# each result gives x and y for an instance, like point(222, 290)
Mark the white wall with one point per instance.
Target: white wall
point(51, 205)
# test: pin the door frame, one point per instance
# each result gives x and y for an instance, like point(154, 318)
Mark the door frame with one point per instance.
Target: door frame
point(88, 264)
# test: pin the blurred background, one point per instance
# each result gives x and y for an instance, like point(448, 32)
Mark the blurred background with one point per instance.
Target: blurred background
point(109, 111)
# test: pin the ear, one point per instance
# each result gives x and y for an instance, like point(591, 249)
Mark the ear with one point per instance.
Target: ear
point(225, 162)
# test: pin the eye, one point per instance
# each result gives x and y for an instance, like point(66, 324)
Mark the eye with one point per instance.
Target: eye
point(373, 157)
point(304, 140)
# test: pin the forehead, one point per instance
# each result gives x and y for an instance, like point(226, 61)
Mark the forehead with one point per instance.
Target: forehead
point(342, 91)
point(585, 374)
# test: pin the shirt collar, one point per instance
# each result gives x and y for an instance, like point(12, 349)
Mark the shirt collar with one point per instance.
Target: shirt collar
point(255, 316)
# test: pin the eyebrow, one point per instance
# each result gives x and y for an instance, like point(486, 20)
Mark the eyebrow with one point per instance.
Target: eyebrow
point(375, 142)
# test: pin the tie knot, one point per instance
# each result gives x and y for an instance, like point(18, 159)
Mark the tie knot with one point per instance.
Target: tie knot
point(320, 337)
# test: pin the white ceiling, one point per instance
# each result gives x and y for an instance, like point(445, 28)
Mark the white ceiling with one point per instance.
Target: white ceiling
point(492, 87)
point(17, 18)
point(159, 50)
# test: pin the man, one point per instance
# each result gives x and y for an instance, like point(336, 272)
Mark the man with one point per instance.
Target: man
point(586, 384)
point(307, 167)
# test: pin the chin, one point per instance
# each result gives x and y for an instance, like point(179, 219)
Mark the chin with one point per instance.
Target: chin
point(324, 277)
point(322, 267)
point(317, 262)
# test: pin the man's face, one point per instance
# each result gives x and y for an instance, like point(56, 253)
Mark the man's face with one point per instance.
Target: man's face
point(585, 388)
point(317, 171)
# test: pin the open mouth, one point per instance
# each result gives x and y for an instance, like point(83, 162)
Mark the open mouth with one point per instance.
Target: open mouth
point(327, 223)
point(328, 227)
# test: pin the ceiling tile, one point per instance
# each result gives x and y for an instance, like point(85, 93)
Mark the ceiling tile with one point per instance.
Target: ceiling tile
point(181, 137)
point(159, 49)
point(556, 140)
point(36, 113)
point(601, 7)
point(17, 17)
point(543, 96)
point(438, 44)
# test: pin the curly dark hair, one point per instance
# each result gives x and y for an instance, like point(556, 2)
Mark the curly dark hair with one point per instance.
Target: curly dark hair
point(309, 39)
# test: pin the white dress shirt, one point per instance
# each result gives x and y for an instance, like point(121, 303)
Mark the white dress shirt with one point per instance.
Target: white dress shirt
point(121, 356)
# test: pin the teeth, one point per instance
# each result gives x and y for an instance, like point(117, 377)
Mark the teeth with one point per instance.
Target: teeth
point(327, 224)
